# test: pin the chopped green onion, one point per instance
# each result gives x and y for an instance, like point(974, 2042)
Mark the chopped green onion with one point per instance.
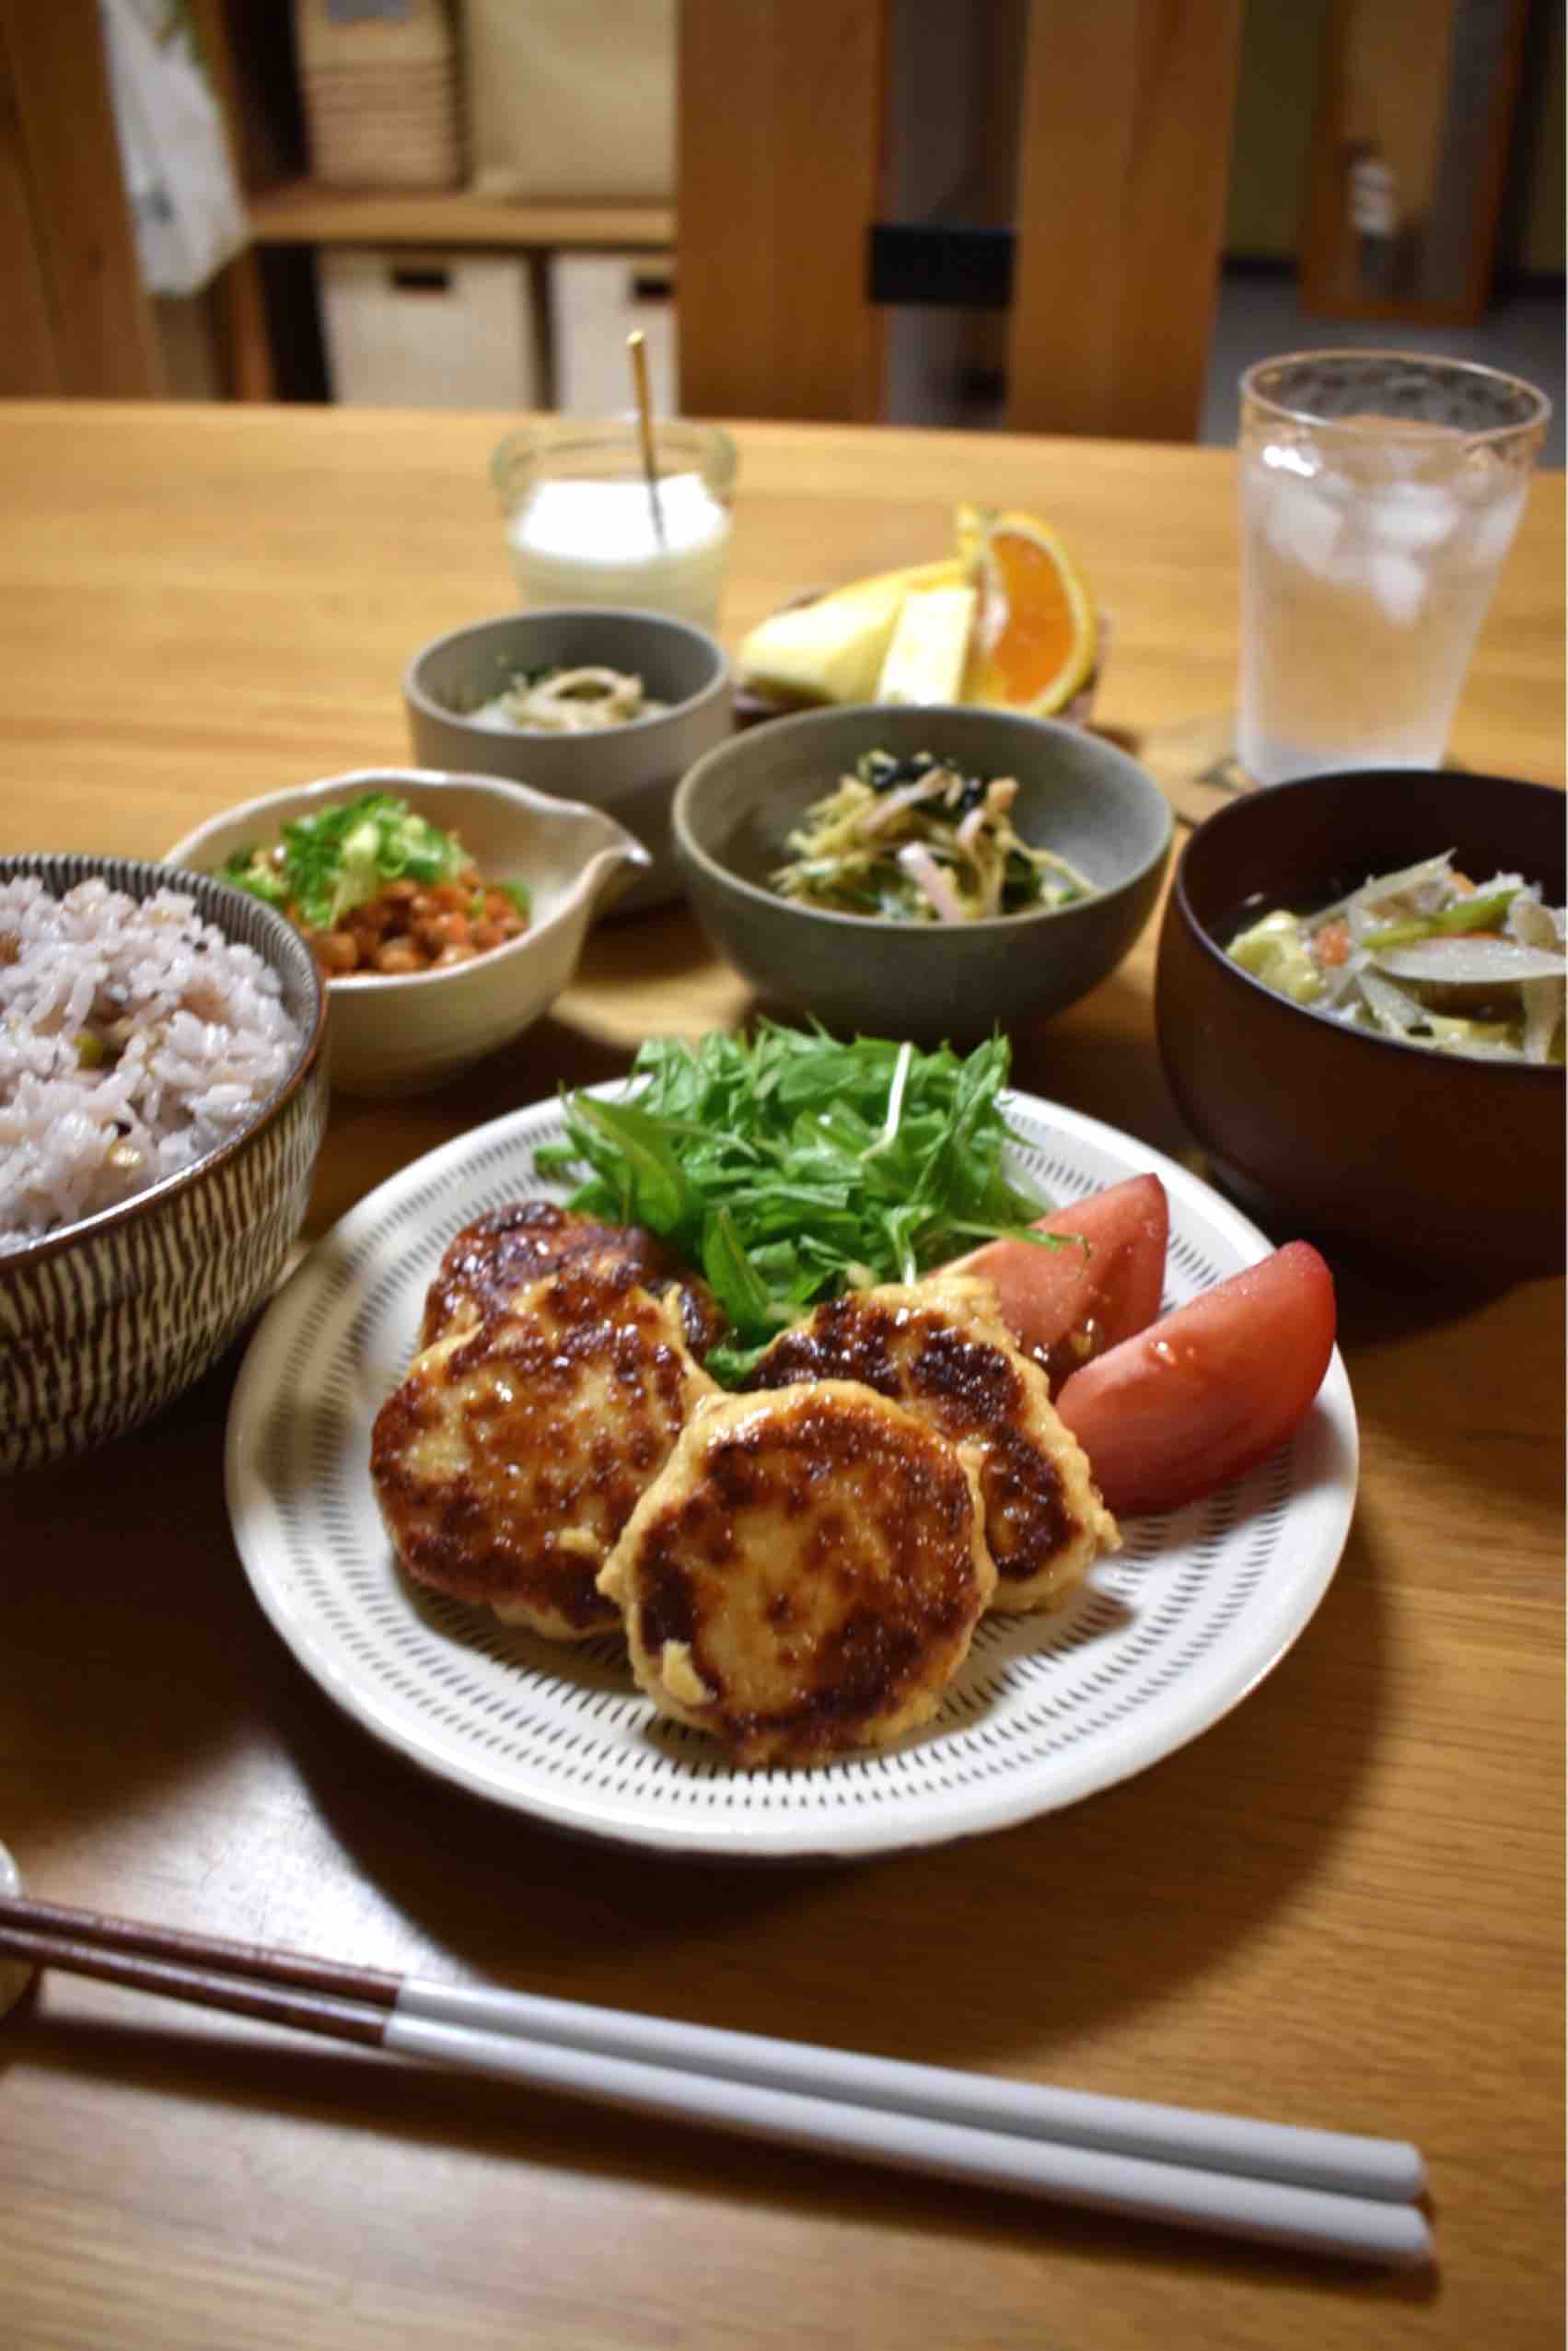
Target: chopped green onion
point(1481, 910)
point(339, 857)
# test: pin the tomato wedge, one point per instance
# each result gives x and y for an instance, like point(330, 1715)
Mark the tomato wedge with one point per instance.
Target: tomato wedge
point(1209, 1390)
point(1066, 1306)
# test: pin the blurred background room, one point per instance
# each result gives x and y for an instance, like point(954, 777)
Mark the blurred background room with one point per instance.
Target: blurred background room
point(1034, 215)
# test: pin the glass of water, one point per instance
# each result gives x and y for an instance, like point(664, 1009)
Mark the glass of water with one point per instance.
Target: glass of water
point(1380, 492)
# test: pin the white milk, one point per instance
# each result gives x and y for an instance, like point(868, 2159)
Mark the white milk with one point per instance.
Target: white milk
point(594, 542)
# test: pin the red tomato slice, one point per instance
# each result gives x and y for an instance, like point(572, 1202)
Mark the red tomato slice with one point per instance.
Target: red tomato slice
point(1209, 1389)
point(1066, 1306)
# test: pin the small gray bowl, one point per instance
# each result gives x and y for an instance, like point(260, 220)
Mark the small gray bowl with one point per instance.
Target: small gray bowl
point(106, 1320)
point(873, 976)
point(630, 772)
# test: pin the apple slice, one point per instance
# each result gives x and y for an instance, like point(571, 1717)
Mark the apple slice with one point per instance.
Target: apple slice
point(831, 649)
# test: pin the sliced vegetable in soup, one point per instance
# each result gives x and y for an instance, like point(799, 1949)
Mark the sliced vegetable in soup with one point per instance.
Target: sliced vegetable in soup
point(1427, 956)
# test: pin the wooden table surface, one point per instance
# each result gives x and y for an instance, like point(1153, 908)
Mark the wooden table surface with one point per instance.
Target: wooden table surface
point(1342, 1905)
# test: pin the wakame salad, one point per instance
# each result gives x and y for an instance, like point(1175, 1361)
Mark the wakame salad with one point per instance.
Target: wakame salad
point(1425, 955)
point(789, 1167)
point(916, 841)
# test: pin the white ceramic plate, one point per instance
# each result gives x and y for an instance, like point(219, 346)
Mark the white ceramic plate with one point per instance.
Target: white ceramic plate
point(1166, 1635)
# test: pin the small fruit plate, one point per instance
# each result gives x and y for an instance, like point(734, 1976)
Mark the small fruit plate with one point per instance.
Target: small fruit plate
point(1005, 619)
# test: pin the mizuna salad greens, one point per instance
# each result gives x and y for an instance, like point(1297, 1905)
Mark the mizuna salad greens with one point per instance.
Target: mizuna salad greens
point(1427, 956)
point(789, 1167)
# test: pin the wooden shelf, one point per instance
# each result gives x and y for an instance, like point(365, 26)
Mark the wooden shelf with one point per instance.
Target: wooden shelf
point(301, 212)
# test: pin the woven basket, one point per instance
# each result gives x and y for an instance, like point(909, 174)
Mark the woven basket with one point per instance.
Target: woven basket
point(381, 94)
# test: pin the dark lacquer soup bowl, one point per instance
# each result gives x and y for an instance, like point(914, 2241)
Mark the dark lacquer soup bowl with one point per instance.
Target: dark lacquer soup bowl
point(1440, 1159)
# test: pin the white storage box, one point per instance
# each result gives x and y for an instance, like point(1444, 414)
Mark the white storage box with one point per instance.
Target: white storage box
point(596, 301)
point(429, 330)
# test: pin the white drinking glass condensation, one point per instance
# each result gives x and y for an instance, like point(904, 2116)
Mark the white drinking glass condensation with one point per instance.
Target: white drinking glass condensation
point(1380, 494)
point(583, 526)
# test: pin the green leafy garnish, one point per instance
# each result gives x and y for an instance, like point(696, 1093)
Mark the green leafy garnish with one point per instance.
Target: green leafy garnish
point(1481, 910)
point(789, 1167)
point(340, 857)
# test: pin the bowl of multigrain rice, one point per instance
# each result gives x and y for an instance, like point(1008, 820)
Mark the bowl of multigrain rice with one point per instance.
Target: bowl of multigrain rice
point(163, 1098)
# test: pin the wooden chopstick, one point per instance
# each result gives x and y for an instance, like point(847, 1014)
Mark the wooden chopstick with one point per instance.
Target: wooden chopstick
point(207, 1988)
point(958, 2125)
point(257, 1962)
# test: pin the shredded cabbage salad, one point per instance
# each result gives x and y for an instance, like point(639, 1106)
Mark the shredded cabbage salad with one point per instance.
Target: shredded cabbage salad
point(916, 841)
point(1427, 956)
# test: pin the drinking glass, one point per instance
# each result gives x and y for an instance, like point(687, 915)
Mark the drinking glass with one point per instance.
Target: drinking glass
point(1380, 492)
point(583, 526)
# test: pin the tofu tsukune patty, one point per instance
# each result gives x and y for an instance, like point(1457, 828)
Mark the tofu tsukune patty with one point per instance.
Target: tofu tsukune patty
point(509, 1458)
point(941, 1348)
point(501, 1253)
point(805, 1574)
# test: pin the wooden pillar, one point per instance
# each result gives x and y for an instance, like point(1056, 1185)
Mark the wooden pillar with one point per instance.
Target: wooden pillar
point(778, 149)
point(77, 321)
point(1123, 175)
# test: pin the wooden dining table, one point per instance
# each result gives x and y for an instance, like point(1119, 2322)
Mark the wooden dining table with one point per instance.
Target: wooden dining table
point(1342, 1905)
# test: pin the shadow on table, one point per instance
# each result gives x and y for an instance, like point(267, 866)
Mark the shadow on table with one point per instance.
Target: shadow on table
point(1021, 1947)
point(1037, 1939)
point(1028, 1940)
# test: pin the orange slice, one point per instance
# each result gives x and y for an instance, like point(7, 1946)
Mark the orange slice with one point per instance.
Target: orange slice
point(1035, 637)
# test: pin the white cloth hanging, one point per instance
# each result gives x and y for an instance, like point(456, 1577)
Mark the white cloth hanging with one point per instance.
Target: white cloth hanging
point(185, 201)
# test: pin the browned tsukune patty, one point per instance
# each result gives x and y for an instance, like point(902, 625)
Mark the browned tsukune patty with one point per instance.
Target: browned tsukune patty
point(510, 1458)
point(501, 1253)
point(805, 1574)
point(941, 1348)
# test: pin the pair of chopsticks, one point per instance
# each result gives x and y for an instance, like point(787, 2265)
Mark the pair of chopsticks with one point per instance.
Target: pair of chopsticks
point(1321, 2192)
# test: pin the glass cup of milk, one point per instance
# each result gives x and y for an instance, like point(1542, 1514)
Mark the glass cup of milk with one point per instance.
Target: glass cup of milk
point(586, 524)
point(1380, 494)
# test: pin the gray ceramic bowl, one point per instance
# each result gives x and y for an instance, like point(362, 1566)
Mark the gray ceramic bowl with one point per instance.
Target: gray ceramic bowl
point(1449, 1163)
point(630, 772)
point(1077, 795)
point(107, 1320)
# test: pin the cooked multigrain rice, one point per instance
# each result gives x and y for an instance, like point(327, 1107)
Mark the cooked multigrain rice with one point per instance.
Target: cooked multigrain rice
point(133, 1037)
